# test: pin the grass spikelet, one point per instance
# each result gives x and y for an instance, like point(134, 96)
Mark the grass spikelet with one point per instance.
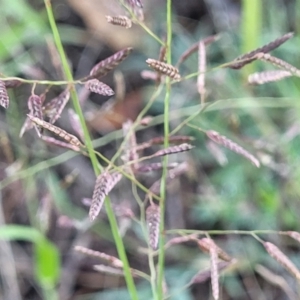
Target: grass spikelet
point(242, 60)
point(205, 244)
point(119, 21)
point(58, 143)
point(206, 41)
point(268, 76)
point(153, 167)
point(114, 261)
point(96, 86)
point(282, 259)
point(13, 83)
point(4, 99)
point(214, 270)
point(104, 184)
point(108, 64)
point(201, 69)
point(173, 150)
point(280, 63)
point(227, 143)
point(54, 108)
point(153, 221)
point(56, 130)
point(164, 68)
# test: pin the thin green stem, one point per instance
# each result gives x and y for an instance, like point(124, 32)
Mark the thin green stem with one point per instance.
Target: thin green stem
point(161, 251)
point(113, 223)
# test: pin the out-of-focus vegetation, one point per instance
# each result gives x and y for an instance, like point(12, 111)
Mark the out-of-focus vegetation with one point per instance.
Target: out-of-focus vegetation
point(42, 216)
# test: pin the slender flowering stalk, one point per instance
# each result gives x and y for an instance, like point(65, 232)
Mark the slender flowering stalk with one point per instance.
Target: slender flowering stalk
point(164, 68)
point(108, 64)
point(96, 86)
point(268, 76)
point(243, 59)
point(120, 21)
point(104, 184)
point(56, 130)
point(153, 219)
point(4, 99)
point(224, 141)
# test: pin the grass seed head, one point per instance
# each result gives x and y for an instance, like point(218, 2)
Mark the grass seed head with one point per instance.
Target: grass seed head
point(268, 76)
point(164, 68)
point(56, 130)
point(120, 21)
point(246, 58)
point(282, 259)
point(110, 63)
point(224, 141)
point(104, 184)
point(4, 99)
point(96, 86)
point(174, 149)
point(153, 221)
